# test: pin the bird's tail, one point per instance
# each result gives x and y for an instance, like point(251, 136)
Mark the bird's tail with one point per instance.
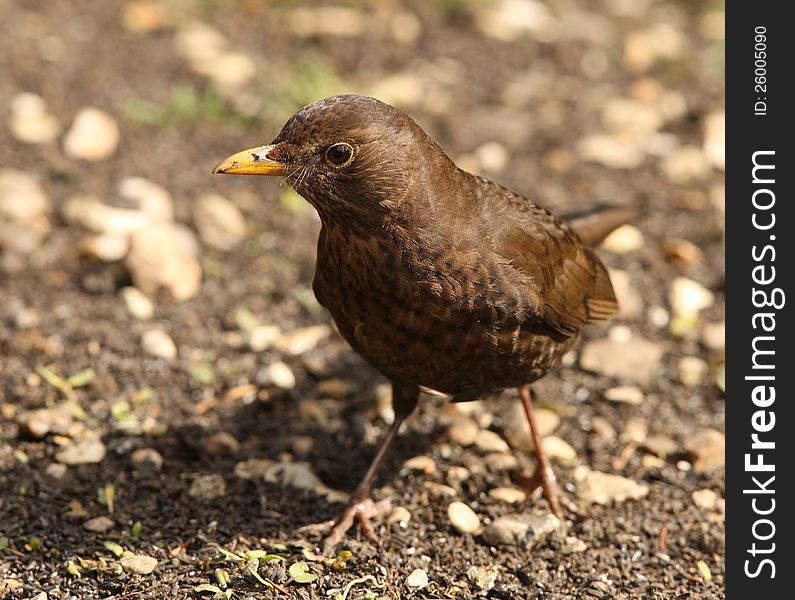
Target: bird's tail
point(595, 222)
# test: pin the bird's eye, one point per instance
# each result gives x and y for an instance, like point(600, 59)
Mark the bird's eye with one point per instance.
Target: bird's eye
point(339, 155)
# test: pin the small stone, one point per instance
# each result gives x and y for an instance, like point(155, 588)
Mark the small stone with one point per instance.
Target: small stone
point(556, 447)
point(82, 452)
point(99, 524)
point(688, 298)
point(140, 564)
point(624, 240)
point(713, 335)
point(686, 164)
point(636, 359)
point(492, 157)
point(334, 388)
point(219, 222)
point(424, 464)
point(574, 545)
point(302, 340)
point(94, 135)
point(144, 16)
point(649, 461)
point(30, 122)
point(508, 495)
point(328, 20)
point(263, 337)
point(199, 44)
point(89, 212)
point(137, 303)
point(625, 394)
point(22, 199)
point(705, 499)
point(708, 449)
point(484, 577)
point(148, 197)
point(660, 445)
point(489, 441)
point(301, 476)
point(692, 371)
point(715, 139)
point(508, 20)
point(253, 468)
point(602, 488)
point(107, 247)
point(279, 374)
point(603, 429)
point(463, 432)
point(439, 489)
point(463, 518)
point(517, 429)
point(42, 421)
point(501, 461)
point(163, 255)
point(643, 47)
point(683, 253)
point(615, 152)
point(519, 530)
point(456, 475)
point(158, 343)
point(631, 116)
point(208, 487)
point(399, 515)
point(221, 444)
point(147, 458)
point(635, 431)
point(56, 471)
point(417, 579)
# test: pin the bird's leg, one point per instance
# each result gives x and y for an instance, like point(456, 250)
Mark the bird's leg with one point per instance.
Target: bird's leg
point(360, 506)
point(544, 477)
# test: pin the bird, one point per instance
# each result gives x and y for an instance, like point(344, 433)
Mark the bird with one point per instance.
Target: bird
point(443, 280)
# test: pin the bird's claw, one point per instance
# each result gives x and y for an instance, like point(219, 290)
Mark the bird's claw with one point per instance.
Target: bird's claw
point(361, 510)
point(544, 482)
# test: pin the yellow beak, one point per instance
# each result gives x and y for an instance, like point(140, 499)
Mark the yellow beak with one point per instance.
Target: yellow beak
point(253, 161)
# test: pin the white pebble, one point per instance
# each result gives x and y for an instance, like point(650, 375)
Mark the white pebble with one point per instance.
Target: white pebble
point(463, 518)
point(94, 135)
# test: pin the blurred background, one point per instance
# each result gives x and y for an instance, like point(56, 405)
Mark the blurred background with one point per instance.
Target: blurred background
point(163, 360)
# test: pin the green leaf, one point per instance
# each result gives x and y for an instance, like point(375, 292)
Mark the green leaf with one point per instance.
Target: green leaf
point(207, 588)
point(82, 378)
point(113, 548)
point(704, 569)
point(300, 573)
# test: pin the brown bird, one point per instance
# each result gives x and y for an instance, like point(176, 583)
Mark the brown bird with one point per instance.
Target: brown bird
point(441, 279)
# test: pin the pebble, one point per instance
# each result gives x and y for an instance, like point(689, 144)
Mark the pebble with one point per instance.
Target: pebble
point(302, 340)
point(682, 252)
point(508, 20)
point(508, 495)
point(417, 579)
point(42, 421)
point(221, 444)
point(707, 447)
point(148, 197)
point(439, 489)
point(519, 529)
point(492, 157)
point(334, 388)
point(649, 461)
point(636, 359)
point(688, 298)
point(99, 524)
point(484, 577)
point(613, 151)
point(635, 431)
point(22, 199)
point(624, 240)
point(692, 371)
point(138, 304)
point(208, 487)
point(301, 476)
point(705, 499)
point(82, 452)
point(144, 16)
point(602, 488)
point(162, 255)
point(713, 335)
point(424, 464)
point(91, 213)
point(629, 115)
point(158, 343)
point(263, 337)
point(603, 428)
point(199, 44)
point(556, 447)
point(30, 122)
point(489, 441)
point(140, 564)
point(219, 222)
point(517, 429)
point(463, 517)
point(660, 445)
point(501, 461)
point(279, 374)
point(147, 458)
point(328, 20)
point(464, 432)
point(94, 135)
point(686, 164)
point(625, 394)
point(230, 71)
point(643, 47)
point(399, 515)
point(107, 247)
point(715, 139)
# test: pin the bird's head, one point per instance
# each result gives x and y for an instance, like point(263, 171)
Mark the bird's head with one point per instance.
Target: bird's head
point(349, 156)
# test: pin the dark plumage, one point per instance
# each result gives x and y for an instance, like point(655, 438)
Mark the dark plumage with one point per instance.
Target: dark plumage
point(439, 278)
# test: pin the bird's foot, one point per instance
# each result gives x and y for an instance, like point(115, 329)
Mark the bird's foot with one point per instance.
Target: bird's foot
point(361, 510)
point(545, 482)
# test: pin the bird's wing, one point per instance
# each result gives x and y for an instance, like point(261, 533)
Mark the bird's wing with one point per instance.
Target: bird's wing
point(567, 285)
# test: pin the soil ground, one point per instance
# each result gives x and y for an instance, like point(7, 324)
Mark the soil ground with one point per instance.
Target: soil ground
point(175, 127)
